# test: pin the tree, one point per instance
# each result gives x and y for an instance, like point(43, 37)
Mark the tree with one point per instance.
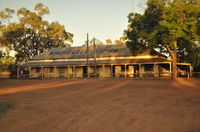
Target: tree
point(33, 35)
point(109, 41)
point(170, 26)
point(5, 59)
point(122, 40)
point(96, 41)
point(2, 54)
point(5, 16)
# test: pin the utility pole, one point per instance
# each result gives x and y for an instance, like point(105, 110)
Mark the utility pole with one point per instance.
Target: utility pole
point(95, 67)
point(87, 55)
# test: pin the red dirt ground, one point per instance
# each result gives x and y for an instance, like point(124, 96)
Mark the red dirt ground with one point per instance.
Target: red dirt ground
point(101, 105)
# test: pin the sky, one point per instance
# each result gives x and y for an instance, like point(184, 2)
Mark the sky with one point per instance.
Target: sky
point(102, 19)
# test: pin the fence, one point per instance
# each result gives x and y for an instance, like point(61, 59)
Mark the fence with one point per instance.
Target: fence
point(110, 76)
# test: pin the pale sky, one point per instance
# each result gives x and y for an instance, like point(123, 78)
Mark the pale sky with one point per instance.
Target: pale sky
point(102, 19)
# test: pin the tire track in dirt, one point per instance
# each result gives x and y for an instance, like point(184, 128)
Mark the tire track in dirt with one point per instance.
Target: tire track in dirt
point(36, 87)
point(101, 105)
point(55, 115)
point(83, 114)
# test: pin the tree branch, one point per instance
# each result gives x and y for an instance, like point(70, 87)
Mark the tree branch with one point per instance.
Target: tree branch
point(169, 50)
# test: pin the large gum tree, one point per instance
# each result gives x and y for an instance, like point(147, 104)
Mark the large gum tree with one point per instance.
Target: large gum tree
point(32, 34)
point(168, 26)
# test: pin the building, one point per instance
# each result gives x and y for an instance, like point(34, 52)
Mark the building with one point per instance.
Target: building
point(102, 61)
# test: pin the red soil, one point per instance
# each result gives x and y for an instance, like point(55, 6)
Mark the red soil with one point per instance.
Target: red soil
point(101, 105)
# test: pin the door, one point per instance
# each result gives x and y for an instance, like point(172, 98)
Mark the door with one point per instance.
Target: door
point(61, 72)
point(84, 71)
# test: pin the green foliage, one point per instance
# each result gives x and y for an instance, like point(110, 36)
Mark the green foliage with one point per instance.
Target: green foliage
point(97, 42)
point(41, 9)
point(32, 34)
point(109, 41)
point(2, 54)
point(163, 22)
point(5, 62)
point(121, 40)
point(5, 15)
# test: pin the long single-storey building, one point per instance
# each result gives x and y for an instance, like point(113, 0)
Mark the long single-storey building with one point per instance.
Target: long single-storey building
point(102, 61)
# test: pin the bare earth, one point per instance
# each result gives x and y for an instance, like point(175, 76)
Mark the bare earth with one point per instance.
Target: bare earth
point(101, 105)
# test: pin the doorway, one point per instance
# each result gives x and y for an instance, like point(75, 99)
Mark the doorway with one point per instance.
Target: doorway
point(61, 72)
point(84, 71)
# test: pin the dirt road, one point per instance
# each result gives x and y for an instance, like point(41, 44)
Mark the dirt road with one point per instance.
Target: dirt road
point(101, 105)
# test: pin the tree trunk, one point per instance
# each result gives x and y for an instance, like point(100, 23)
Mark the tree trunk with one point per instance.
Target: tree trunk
point(174, 61)
point(174, 58)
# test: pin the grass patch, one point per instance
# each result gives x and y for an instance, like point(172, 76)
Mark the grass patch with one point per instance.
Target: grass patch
point(4, 108)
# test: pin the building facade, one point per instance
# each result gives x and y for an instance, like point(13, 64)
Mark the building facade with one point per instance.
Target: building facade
point(111, 61)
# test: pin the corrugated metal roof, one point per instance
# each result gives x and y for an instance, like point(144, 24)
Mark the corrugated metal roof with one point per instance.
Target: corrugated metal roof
point(81, 52)
point(98, 62)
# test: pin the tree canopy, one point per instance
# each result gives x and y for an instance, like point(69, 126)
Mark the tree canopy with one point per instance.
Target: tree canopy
point(168, 26)
point(32, 34)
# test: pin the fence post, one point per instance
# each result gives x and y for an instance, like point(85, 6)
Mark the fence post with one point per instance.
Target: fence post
point(68, 67)
point(188, 75)
point(111, 71)
point(125, 70)
point(18, 72)
point(103, 69)
point(42, 72)
point(29, 72)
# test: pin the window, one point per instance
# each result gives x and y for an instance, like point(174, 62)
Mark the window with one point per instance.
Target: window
point(37, 70)
point(148, 67)
point(51, 69)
